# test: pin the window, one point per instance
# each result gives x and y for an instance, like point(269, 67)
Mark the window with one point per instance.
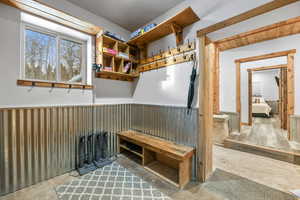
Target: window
point(53, 57)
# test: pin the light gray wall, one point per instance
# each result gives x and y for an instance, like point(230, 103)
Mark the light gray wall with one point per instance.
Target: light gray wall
point(13, 95)
point(228, 71)
point(268, 85)
point(210, 12)
point(109, 91)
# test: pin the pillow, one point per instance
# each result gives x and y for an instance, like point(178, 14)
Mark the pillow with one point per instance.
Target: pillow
point(261, 100)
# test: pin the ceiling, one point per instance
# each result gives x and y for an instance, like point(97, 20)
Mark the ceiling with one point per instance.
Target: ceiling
point(129, 14)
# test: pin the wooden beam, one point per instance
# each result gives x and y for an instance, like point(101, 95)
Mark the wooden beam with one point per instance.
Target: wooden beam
point(250, 98)
point(290, 91)
point(266, 56)
point(52, 14)
point(267, 68)
point(246, 15)
point(216, 83)
point(238, 91)
point(205, 142)
point(274, 31)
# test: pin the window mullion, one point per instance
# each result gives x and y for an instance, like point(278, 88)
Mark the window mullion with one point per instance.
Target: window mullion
point(58, 71)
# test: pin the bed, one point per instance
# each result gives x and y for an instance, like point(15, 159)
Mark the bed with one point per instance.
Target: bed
point(260, 108)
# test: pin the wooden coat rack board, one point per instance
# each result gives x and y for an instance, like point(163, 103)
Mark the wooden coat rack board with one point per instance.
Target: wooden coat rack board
point(167, 61)
point(171, 52)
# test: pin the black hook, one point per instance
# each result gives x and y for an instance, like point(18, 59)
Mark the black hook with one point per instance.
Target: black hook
point(184, 56)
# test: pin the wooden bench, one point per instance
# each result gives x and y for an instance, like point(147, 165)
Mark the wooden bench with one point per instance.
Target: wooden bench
point(170, 161)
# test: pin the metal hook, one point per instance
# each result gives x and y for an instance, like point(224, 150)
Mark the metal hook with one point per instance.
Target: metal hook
point(184, 56)
point(189, 45)
point(52, 87)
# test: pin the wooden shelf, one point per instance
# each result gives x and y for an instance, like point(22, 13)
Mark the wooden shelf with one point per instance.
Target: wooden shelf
point(167, 173)
point(116, 76)
point(120, 57)
point(52, 84)
point(116, 62)
point(126, 148)
point(170, 161)
point(179, 21)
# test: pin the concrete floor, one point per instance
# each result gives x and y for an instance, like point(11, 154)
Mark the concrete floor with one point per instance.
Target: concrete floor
point(266, 132)
point(276, 174)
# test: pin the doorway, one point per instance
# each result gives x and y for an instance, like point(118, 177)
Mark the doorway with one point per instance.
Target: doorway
point(267, 94)
point(267, 89)
point(264, 119)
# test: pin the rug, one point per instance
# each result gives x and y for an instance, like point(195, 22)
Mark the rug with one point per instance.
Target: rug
point(111, 182)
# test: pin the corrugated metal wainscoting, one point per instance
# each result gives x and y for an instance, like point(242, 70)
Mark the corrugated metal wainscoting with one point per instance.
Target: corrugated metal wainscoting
point(37, 144)
point(233, 121)
point(168, 122)
point(295, 128)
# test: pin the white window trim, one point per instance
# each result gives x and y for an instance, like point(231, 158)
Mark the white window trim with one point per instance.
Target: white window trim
point(59, 36)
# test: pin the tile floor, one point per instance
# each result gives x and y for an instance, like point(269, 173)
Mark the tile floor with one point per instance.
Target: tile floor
point(246, 167)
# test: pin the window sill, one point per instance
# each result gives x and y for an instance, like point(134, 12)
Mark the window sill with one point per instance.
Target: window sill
point(53, 85)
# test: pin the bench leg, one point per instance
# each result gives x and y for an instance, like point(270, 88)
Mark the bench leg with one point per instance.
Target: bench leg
point(185, 168)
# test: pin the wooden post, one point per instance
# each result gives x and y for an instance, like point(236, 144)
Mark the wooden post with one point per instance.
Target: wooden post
point(250, 97)
point(205, 95)
point(99, 46)
point(216, 82)
point(238, 91)
point(290, 90)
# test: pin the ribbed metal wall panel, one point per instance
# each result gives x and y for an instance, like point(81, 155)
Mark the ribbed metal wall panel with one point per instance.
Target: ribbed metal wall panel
point(233, 121)
point(37, 144)
point(295, 128)
point(167, 122)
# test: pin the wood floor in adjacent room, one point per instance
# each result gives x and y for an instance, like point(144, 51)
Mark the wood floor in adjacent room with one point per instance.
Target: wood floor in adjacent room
point(266, 132)
point(237, 175)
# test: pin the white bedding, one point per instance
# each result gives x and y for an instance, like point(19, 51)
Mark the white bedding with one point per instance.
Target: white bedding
point(261, 108)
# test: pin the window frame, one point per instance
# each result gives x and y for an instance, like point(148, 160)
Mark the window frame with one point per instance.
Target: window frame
point(58, 37)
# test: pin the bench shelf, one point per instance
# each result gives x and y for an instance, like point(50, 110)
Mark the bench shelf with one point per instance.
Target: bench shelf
point(165, 159)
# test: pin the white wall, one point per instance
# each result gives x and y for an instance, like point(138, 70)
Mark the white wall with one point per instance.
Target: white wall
point(111, 91)
point(227, 79)
point(166, 86)
point(268, 86)
point(210, 13)
point(13, 95)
